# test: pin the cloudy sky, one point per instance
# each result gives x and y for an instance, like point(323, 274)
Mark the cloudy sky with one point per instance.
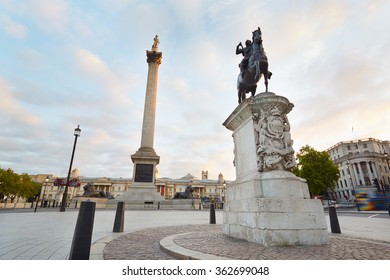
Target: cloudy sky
point(68, 63)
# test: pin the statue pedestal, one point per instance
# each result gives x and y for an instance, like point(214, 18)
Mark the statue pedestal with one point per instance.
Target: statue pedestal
point(267, 204)
point(143, 187)
point(141, 192)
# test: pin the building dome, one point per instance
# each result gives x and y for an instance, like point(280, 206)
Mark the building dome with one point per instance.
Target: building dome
point(188, 177)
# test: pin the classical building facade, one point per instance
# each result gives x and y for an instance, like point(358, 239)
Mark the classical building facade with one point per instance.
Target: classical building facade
point(362, 163)
point(51, 194)
point(203, 187)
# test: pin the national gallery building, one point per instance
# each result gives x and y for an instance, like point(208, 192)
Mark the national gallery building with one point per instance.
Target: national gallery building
point(51, 194)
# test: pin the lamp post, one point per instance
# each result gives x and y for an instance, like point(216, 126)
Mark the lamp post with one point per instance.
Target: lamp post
point(43, 195)
point(44, 192)
point(77, 132)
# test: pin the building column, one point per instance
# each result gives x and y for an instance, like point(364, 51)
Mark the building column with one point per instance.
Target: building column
point(369, 172)
point(374, 169)
point(353, 174)
point(360, 174)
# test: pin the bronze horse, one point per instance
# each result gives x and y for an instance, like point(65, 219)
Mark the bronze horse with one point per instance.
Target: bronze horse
point(254, 67)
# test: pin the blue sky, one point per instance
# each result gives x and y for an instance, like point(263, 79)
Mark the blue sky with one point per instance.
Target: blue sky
point(69, 63)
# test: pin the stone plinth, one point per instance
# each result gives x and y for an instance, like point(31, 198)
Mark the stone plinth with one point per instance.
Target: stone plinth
point(138, 200)
point(268, 204)
point(141, 192)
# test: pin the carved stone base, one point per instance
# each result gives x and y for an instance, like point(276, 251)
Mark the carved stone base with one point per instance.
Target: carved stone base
point(274, 209)
point(268, 204)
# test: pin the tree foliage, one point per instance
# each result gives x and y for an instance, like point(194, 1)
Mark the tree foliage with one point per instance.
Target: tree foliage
point(318, 169)
point(13, 184)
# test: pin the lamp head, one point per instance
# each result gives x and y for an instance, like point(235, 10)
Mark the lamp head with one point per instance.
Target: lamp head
point(77, 131)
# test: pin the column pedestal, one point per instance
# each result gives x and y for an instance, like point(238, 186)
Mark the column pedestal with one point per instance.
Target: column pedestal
point(268, 204)
point(143, 188)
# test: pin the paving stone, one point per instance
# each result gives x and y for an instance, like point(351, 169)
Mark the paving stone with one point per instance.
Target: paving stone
point(209, 239)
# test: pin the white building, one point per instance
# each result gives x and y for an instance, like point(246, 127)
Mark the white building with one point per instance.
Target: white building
point(51, 195)
point(360, 163)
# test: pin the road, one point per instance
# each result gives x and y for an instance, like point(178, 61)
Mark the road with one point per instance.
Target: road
point(363, 224)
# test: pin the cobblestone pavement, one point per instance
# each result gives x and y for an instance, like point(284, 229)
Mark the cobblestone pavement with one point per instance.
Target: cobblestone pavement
point(209, 239)
point(47, 235)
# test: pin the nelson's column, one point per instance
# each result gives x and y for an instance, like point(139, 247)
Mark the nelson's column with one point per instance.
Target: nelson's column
point(146, 159)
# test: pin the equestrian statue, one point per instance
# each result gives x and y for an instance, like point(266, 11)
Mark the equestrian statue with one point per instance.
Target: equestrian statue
point(253, 66)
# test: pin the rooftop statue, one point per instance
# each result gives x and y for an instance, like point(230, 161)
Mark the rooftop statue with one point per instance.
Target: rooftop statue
point(253, 66)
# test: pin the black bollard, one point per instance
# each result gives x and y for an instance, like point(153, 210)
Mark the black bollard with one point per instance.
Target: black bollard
point(36, 204)
point(212, 213)
point(334, 221)
point(81, 244)
point(388, 208)
point(119, 217)
point(75, 205)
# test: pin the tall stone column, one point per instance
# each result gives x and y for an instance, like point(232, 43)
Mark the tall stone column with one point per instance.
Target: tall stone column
point(145, 159)
point(154, 60)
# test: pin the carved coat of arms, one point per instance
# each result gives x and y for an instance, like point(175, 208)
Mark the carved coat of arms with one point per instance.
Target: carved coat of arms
point(273, 140)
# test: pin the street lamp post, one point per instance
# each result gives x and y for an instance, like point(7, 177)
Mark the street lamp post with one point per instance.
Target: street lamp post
point(43, 195)
point(44, 191)
point(77, 132)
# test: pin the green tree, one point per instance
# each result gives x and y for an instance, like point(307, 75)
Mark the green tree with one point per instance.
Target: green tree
point(13, 184)
point(27, 188)
point(8, 182)
point(318, 169)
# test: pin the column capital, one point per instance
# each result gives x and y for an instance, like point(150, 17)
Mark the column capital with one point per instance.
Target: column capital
point(153, 57)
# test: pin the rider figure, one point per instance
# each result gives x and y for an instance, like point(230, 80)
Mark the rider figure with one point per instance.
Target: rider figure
point(246, 52)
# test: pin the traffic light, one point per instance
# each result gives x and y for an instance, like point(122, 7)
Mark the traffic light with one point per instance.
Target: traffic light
point(376, 184)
